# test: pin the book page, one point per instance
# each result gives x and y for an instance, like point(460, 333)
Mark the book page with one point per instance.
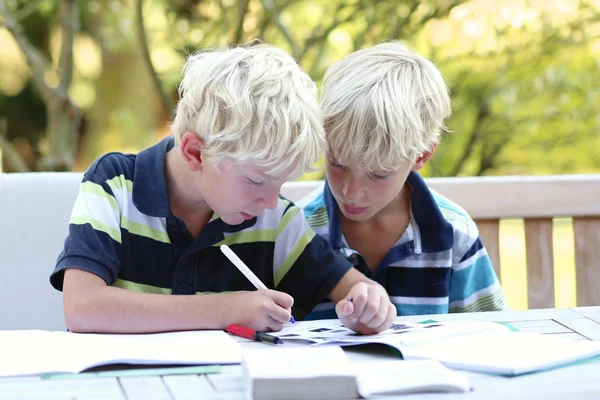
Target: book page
point(416, 376)
point(35, 352)
point(506, 353)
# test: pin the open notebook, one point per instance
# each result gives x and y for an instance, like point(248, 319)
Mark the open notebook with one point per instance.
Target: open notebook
point(36, 352)
point(476, 346)
point(299, 373)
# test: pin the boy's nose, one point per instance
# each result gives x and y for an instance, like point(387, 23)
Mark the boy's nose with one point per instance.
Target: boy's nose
point(271, 200)
point(351, 188)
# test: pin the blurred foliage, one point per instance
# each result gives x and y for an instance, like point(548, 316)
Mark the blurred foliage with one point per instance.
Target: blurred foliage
point(524, 74)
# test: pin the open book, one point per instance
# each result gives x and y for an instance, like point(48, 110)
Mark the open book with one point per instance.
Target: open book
point(298, 373)
point(476, 346)
point(36, 352)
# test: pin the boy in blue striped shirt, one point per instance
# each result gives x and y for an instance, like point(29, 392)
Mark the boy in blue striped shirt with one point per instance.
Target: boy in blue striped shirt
point(143, 250)
point(384, 109)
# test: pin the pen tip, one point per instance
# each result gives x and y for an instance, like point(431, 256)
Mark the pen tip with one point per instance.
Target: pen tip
point(292, 320)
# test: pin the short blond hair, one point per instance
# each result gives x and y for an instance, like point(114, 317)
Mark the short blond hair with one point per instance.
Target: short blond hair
point(251, 104)
point(382, 106)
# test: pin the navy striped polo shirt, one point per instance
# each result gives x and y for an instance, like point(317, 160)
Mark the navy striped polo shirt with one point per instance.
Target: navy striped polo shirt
point(122, 230)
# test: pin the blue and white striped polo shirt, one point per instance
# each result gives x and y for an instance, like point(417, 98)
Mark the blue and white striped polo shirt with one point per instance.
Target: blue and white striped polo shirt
point(122, 229)
point(439, 265)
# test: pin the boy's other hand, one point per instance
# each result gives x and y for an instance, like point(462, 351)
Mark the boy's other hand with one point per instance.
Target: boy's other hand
point(262, 310)
point(366, 309)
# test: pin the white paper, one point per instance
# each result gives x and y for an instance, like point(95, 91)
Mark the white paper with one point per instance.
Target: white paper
point(35, 352)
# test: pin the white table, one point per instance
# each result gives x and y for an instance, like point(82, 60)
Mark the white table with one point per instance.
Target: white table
point(574, 382)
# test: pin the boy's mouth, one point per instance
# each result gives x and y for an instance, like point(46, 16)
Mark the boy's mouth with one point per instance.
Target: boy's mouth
point(354, 210)
point(247, 216)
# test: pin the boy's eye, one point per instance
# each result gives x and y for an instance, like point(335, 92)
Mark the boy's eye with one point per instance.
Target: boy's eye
point(250, 181)
point(378, 176)
point(336, 165)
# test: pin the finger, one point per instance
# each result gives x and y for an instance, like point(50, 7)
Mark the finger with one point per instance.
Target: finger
point(282, 299)
point(391, 317)
point(372, 305)
point(382, 313)
point(278, 313)
point(359, 294)
point(274, 325)
point(344, 308)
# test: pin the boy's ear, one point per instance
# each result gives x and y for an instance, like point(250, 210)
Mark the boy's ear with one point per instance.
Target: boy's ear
point(424, 158)
point(191, 147)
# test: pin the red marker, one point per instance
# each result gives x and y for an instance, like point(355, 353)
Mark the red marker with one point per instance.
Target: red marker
point(252, 334)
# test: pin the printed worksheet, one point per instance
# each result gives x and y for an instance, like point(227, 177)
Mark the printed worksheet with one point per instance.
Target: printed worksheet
point(333, 332)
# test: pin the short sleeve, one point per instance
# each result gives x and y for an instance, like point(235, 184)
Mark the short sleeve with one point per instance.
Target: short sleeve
point(473, 284)
point(94, 240)
point(305, 265)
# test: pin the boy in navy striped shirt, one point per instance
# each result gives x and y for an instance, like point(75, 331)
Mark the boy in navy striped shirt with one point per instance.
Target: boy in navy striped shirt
point(142, 254)
point(384, 110)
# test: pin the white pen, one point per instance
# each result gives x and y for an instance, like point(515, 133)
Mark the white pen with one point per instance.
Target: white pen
point(245, 270)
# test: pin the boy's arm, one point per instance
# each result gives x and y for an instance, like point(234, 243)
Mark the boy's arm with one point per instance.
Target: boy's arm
point(362, 304)
point(90, 305)
point(473, 284)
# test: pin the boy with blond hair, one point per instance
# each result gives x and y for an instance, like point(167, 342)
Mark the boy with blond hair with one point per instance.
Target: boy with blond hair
point(142, 254)
point(384, 109)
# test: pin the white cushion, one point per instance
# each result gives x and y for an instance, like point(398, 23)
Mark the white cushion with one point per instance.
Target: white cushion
point(34, 218)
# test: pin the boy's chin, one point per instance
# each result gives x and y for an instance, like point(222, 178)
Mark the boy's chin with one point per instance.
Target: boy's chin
point(364, 216)
point(233, 218)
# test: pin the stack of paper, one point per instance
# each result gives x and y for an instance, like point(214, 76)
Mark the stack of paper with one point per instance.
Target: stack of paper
point(325, 372)
point(298, 373)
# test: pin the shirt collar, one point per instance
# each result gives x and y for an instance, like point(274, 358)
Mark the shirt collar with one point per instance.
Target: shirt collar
point(150, 194)
point(335, 224)
point(436, 233)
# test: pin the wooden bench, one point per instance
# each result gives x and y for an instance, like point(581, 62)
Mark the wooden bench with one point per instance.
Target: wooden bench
point(537, 200)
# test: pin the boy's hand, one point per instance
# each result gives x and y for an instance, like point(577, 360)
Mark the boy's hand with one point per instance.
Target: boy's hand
point(262, 310)
point(366, 309)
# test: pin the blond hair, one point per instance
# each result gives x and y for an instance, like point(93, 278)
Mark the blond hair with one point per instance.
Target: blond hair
point(382, 106)
point(251, 104)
